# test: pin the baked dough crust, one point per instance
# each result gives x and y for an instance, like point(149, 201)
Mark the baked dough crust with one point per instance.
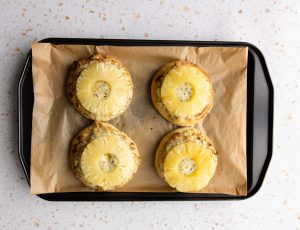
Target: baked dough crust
point(84, 137)
point(175, 137)
point(74, 73)
point(157, 101)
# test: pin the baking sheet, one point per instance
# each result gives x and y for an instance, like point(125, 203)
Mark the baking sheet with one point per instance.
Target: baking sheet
point(55, 121)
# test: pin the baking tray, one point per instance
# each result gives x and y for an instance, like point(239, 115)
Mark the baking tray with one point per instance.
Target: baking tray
point(260, 105)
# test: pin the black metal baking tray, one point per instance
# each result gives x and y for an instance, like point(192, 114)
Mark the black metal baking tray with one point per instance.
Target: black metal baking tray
point(260, 104)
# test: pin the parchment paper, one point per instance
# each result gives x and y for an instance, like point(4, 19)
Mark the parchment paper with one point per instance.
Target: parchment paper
point(55, 121)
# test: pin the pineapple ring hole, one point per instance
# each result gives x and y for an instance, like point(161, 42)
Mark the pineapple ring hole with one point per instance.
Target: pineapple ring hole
point(187, 166)
point(184, 92)
point(101, 90)
point(108, 162)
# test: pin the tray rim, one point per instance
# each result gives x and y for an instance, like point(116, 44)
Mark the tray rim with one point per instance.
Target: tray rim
point(152, 196)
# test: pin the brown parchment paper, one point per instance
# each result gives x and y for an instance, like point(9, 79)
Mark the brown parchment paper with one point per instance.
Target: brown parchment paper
point(55, 121)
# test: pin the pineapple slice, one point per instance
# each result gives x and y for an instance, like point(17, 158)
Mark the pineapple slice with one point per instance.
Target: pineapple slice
point(188, 167)
point(103, 157)
point(100, 87)
point(182, 93)
point(186, 159)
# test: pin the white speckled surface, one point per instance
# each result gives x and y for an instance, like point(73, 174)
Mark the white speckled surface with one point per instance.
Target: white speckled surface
point(274, 26)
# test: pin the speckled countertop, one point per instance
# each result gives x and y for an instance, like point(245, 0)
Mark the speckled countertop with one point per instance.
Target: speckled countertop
point(274, 26)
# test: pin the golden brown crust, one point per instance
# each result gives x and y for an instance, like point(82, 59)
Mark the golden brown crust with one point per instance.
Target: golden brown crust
point(75, 71)
point(84, 137)
point(157, 102)
point(178, 136)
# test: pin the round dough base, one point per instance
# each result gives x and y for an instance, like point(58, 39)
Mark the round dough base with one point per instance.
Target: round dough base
point(156, 82)
point(84, 137)
point(75, 72)
point(178, 135)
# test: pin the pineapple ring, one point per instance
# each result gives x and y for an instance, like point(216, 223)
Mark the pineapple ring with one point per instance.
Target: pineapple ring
point(103, 158)
point(100, 87)
point(188, 167)
point(182, 93)
point(186, 159)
